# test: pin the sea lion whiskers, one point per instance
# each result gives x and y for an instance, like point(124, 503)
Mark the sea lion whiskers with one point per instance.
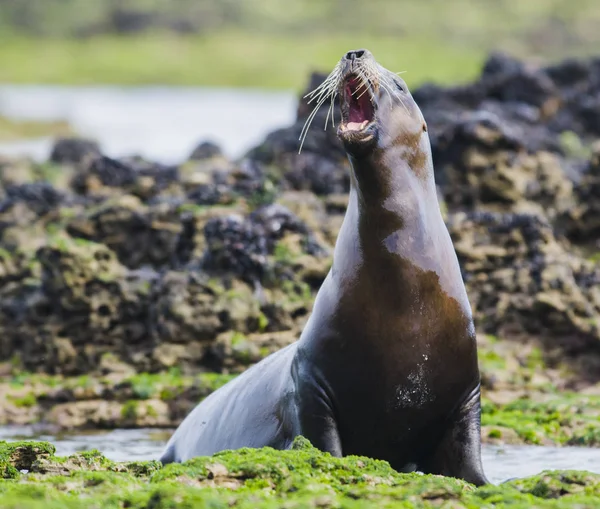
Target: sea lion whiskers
point(309, 120)
point(365, 82)
point(329, 82)
point(385, 82)
point(389, 87)
point(380, 79)
point(326, 90)
point(331, 111)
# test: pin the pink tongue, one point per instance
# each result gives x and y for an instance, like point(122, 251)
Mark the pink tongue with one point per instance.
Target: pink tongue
point(356, 126)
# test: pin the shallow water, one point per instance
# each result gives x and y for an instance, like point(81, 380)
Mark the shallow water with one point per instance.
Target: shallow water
point(160, 123)
point(500, 462)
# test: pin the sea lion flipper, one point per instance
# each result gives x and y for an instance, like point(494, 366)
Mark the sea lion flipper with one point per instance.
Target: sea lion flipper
point(316, 420)
point(321, 431)
point(459, 452)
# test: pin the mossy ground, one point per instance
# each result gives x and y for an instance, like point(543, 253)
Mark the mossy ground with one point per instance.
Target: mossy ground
point(252, 478)
point(565, 419)
point(534, 417)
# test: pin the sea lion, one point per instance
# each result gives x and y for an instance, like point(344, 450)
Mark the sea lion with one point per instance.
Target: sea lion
point(386, 366)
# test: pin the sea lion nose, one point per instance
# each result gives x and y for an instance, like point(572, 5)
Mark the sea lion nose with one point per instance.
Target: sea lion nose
point(355, 54)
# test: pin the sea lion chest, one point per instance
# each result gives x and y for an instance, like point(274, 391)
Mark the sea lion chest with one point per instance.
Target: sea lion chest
point(394, 347)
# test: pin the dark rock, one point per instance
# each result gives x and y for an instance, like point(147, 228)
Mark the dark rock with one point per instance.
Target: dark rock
point(132, 175)
point(138, 234)
point(581, 223)
point(206, 150)
point(73, 151)
point(184, 309)
point(522, 281)
point(501, 64)
point(243, 245)
point(40, 197)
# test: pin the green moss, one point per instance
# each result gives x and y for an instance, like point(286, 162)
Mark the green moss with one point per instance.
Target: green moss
point(535, 359)
point(5, 255)
point(490, 360)
point(27, 401)
point(301, 477)
point(495, 433)
point(93, 459)
point(151, 411)
point(170, 385)
point(143, 385)
point(573, 145)
point(213, 381)
point(263, 322)
point(237, 338)
point(129, 411)
point(297, 291)
point(15, 456)
point(282, 252)
point(567, 418)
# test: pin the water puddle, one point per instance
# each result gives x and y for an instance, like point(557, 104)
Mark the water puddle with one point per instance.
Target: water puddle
point(163, 124)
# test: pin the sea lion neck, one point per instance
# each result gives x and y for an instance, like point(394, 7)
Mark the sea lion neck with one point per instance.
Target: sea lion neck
point(394, 187)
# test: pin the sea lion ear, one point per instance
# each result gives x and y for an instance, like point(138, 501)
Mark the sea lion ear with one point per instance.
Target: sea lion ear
point(424, 126)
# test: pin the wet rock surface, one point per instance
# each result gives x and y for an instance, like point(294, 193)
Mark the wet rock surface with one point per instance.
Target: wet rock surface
point(210, 265)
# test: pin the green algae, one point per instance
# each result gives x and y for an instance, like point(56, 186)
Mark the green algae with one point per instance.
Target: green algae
point(16, 456)
point(301, 477)
point(550, 417)
point(27, 401)
point(566, 419)
point(129, 410)
point(170, 384)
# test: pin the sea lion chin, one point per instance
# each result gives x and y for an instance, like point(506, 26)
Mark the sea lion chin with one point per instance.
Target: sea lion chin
point(386, 365)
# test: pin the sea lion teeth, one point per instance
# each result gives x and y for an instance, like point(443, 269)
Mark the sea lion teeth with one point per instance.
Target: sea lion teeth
point(386, 365)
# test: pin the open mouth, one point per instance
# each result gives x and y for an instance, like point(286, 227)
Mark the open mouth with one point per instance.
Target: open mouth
point(360, 110)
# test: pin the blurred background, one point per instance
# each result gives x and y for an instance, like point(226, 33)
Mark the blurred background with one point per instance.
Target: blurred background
point(251, 44)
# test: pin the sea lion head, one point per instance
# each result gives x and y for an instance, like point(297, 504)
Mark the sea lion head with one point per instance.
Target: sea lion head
point(377, 109)
point(376, 106)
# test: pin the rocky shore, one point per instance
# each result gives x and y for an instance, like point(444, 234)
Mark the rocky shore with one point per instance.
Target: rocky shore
point(130, 290)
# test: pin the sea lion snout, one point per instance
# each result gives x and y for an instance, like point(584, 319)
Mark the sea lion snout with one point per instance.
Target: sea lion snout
point(357, 54)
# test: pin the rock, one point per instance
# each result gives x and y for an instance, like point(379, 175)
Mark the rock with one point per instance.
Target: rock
point(523, 282)
point(103, 176)
point(138, 234)
point(39, 197)
point(85, 304)
point(581, 223)
point(73, 151)
point(243, 245)
point(96, 414)
point(206, 150)
point(184, 309)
